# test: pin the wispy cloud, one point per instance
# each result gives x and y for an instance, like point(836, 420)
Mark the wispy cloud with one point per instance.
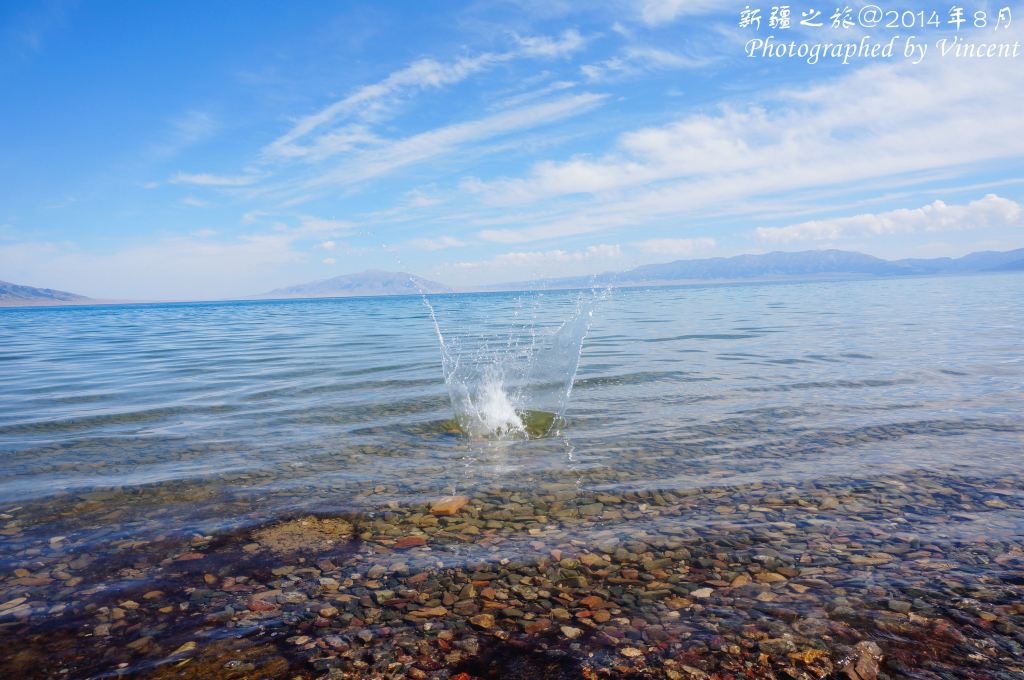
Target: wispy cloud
point(178, 267)
point(193, 126)
point(437, 243)
point(883, 121)
point(532, 259)
point(523, 265)
point(655, 12)
point(634, 60)
point(207, 180)
point(27, 31)
point(420, 198)
point(313, 226)
point(991, 211)
point(550, 47)
point(534, 94)
point(388, 157)
point(371, 102)
point(253, 216)
point(184, 130)
point(674, 246)
point(571, 225)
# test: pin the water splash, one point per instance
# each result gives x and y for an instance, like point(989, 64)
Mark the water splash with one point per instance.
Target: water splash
point(513, 380)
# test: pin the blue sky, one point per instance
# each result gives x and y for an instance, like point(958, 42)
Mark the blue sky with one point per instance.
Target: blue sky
point(205, 150)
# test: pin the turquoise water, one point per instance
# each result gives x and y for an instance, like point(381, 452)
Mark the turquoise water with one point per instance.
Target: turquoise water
point(312, 402)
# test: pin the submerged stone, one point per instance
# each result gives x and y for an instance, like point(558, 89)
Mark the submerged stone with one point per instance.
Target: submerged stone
point(307, 533)
point(449, 506)
point(536, 424)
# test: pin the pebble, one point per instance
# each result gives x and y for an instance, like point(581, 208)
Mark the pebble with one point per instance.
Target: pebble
point(187, 647)
point(410, 542)
point(485, 621)
point(899, 606)
point(10, 604)
point(865, 665)
point(449, 506)
point(429, 612)
point(772, 586)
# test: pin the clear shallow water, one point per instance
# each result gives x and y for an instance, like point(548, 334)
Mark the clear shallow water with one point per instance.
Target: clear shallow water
point(754, 480)
point(310, 404)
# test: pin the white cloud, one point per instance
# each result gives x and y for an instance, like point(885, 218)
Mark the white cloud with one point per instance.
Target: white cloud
point(373, 101)
point(342, 140)
point(654, 12)
point(674, 246)
point(254, 216)
point(194, 126)
point(312, 226)
point(206, 180)
point(531, 95)
point(178, 267)
point(193, 266)
point(424, 146)
point(186, 129)
point(422, 74)
point(420, 198)
point(658, 58)
point(991, 211)
point(545, 46)
point(533, 259)
point(552, 229)
point(329, 260)
point(531, 265)
point(885, 122)
point(183, 130)
point(634, 60)
point(438, 243)
point(194, 202)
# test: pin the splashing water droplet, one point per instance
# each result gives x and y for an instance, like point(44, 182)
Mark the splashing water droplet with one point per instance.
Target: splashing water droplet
point(515, 383)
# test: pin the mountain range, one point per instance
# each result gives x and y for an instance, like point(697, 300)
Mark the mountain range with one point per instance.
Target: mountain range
point(13, 294)
point(794, 265)
point(776, 266)
point(370, 282)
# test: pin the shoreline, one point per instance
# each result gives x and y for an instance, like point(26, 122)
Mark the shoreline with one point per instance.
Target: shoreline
point(779, 580)
point(682, 283)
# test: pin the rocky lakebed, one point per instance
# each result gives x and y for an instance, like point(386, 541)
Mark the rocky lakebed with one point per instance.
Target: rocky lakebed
point(912, 575)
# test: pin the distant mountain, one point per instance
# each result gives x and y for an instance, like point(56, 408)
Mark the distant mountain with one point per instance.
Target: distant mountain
point(1015, 266)
point(770, 265)
point(791, 266)
point(983, 261)
point(370, 282)
point(12, 294)
point(775, 266)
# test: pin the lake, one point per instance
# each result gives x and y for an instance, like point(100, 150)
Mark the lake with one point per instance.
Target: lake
point(780, 478)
